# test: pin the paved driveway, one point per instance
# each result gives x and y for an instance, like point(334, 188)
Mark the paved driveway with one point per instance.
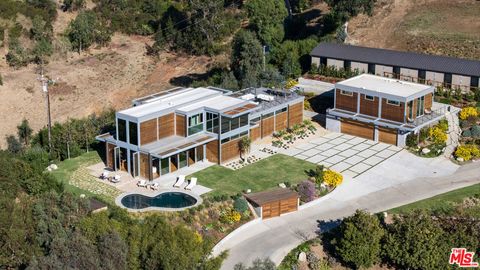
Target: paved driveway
point(343, 153)
point(399, 180)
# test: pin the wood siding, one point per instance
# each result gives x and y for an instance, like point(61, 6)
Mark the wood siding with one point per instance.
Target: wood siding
point(281, 121)
point(387, 135)
point(255, 133)
point(428, 101)
point(393, 112)
point(110, 155)
point(345, 102)
point(166, 126)
point(267, 126)
point(144, 166)
point(181, 125)
point(212, 151)
point(356, 128)
point(148, 131)
point(230, 150)
point(277, 208)
point(295, 114)
point(369, 107)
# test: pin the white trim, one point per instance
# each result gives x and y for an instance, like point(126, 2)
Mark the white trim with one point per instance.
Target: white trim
point(395, 102)
point(346, 93)
point(369, 98)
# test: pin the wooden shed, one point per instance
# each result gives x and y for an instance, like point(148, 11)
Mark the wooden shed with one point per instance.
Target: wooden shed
point(273, 203)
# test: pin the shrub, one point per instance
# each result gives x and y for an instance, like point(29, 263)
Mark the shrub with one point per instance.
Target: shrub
point(475, 131)
point(437, 135)
point(290, 83)
point(306, 190)
point(318, 174)
point(230, 216)
point(423, 134)
point(467, 133)
point(468, 112)
point(443, 125)
point(332, 178)
point(240, 205)
point(412, 140)
point(467, 152)
point(464, 124)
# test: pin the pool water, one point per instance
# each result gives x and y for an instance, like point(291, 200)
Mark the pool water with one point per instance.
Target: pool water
point(164, 200)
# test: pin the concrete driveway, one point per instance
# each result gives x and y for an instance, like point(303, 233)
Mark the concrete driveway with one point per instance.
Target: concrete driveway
point(399, 180)
point(343, 153)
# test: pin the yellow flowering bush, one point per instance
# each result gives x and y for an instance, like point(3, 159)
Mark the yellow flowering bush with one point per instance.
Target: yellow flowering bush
point(467, 152)
point(467, 112)
point(437, 135)
point(230, 216)
point(332, 178)
point(290, 83)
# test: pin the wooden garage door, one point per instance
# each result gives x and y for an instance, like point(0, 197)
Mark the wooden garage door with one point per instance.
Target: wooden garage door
point(271, 210)
point(387, 135)
point(288, 205)
point(359, 129)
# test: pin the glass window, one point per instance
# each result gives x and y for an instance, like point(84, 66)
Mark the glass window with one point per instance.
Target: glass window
point(346, 93)
point(281, 110)
point(254, 121)
point(371, 98)
point(164, 164)
point(243, 133)
point(195, 124)
point(122, 130)
point(212, 122)
point(225, 140)
point(267, 115)
point(393, 102)
point(236, 136)
point(235, 123)
point(132, 129)
point(244, 120)
point(225, 125)
point(182, 159)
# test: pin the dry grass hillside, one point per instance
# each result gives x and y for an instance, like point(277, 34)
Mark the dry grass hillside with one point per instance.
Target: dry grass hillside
point(442, 27)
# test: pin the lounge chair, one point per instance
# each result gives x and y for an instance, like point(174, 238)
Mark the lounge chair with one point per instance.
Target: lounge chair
point(116, 179)
point(193, 182)
point(142, 183)
point(104, 175)
point(427, 111)
point(154, 186)
point(180, 181)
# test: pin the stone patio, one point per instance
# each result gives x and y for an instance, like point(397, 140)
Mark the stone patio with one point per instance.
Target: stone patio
point(344, 153)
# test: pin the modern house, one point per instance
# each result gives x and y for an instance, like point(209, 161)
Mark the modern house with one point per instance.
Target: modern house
point(409, 66)
point(174, 129)
point(382, 109)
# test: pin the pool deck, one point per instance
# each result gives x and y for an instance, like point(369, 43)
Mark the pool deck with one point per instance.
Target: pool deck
point(118, 200)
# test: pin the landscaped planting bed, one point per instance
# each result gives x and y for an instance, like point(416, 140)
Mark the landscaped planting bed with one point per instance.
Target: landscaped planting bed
point(430, 141)
point(284, 138)
point(469, 148)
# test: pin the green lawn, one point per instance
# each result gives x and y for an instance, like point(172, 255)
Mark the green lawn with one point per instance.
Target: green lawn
point(445, 203)
point(77, 179)
point(262, 175)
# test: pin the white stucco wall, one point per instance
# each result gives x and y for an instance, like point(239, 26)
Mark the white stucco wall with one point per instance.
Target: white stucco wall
point(379, 70)
point(434, 77)
point(462, 81)
point(338, 64)
point(316, 61)
point(401, 140)
point(333, 125)
point(362, 67)
point(409, 72)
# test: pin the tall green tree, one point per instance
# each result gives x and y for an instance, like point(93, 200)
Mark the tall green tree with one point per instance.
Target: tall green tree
point(266, 17)
point(24, 132)
point(246, 61)
point(358, 241)
point(415, 241)
point(86, 30)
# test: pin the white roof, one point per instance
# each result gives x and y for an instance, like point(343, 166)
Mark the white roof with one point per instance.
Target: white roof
point(382, 85)
point(217, 103)
point(173, 100)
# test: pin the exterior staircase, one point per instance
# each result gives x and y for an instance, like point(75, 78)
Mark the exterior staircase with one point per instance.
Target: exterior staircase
point(454, 131)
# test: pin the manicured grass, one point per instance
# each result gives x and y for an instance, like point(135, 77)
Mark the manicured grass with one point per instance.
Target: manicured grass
point(262, 175)
point(77, 179)
point(444, 203)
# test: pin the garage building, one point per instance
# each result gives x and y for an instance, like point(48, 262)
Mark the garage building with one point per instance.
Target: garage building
point(273, 203)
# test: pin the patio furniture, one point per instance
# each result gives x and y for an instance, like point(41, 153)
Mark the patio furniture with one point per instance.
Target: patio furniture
point(191, 184)
point(116, 179)
point(154, 186)
point(180, 181)
point(142, 183)
point(427, 111)
point(104, 175)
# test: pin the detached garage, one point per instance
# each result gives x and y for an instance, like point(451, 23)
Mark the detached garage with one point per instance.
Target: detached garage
point(387, 135)
point(359, 129)
point(273, 203)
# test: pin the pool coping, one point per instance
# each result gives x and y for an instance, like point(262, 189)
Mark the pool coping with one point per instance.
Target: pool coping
point(118, 200)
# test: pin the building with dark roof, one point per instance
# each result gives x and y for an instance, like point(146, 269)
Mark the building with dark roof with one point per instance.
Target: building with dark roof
point(409, 66)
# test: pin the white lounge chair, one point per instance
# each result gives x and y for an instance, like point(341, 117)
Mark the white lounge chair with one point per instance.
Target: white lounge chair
point(104, 175)
point(142, 183)
point(180, 181)
point(116, 179)
point(193, 182)
point(154, 186)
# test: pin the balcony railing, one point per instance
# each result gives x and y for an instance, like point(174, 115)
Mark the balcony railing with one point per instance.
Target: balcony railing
point(435, 113)
point(428, 82)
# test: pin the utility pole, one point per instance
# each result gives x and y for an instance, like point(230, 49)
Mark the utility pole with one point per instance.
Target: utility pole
point(45, 81)
point(264, 58)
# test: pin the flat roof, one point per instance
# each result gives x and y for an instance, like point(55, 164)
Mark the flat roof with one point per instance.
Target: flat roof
point(217, 103)
point(404, 59)
point(174, 144)
point(383, 85)
point(263, 197)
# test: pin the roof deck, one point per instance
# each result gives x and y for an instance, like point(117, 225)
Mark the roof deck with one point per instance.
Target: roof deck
point(267, 98)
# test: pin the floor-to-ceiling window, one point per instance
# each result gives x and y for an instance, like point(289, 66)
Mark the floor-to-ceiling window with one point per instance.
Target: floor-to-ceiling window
point(410, 109)
point(420, 106)
point(122, 130)
point(164, 166)
point(195, 124)
point(212, 122)
point(132, 132)
point(182, 159)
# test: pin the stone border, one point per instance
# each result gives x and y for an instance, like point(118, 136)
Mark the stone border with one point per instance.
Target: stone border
point(118, 201)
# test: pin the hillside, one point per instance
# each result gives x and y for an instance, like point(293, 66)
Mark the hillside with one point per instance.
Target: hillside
point(431, 26)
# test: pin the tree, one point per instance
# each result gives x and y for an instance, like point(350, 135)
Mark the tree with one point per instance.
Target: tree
point(73, 5)
point(24, 132)
point(266, 18)
point(86, 30)
point(13, 144)
point(258, 264)
point(113, 251)
point(358, 240)
point(246, 60)
point(244, 145)
point(415, 241)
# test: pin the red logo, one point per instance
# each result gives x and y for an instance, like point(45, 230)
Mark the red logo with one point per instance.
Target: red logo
point(462, 257)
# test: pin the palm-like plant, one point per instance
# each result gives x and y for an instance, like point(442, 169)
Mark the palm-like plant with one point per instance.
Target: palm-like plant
point(244, 145)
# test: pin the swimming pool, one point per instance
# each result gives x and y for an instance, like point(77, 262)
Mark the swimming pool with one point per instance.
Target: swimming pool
point(165, 200)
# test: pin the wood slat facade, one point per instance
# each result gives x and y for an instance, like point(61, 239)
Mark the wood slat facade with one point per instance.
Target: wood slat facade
point(148, 131)
point(212, 151)
point(295, 114)
point(346, 102)
point(268, 126)
point(359, 129)
point(230, 150)
point(181, 125)
point(255, 133)
point(144, 171)
point(428, 101)
point(110, 155)
point(281, 121)
point(166, 126)
point(387, 135)
point(369, 107)
point(393, 112)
